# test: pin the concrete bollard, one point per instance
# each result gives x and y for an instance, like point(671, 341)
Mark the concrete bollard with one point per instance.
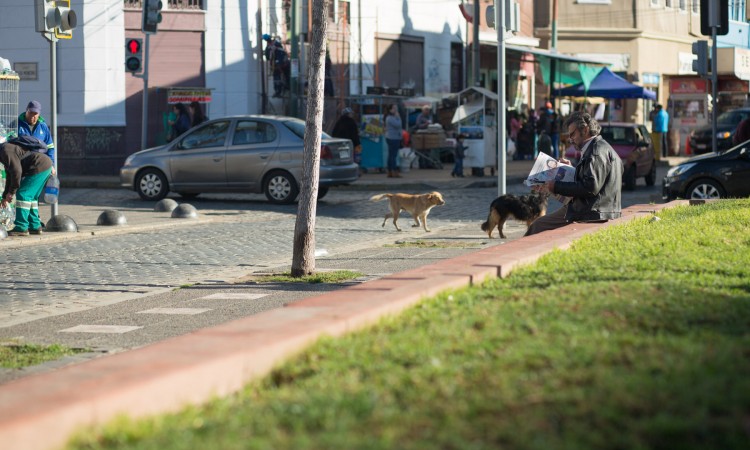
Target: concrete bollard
point(111, 217)
point(165, 205)
point(61, 223)
point(185, 211)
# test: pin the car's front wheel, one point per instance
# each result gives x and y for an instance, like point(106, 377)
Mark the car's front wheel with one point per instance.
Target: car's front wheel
point(651, 175)
point(322, 191)
point(152, 184)
point(280, 187)
point(704, 190)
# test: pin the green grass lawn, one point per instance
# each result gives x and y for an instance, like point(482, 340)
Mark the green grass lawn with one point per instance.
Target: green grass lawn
point(14, 355)
point(637, 337)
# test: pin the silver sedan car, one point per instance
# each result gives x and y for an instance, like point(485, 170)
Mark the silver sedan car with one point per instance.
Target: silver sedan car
point(251, 154)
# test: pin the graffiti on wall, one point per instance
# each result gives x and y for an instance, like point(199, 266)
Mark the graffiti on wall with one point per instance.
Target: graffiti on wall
point(82, 141)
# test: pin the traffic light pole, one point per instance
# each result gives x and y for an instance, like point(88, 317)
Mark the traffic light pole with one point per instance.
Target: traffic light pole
point(144, 110)
point(53, 103)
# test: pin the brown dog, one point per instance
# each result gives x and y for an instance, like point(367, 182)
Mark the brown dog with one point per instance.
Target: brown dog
point(418, 206)
point(526, 208)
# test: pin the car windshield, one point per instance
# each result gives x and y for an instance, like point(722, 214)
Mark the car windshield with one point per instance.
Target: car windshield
point(732, 118)
point(619, 135)
point(297, 127)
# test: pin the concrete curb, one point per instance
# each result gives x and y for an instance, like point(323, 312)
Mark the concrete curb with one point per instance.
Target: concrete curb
point(217, 361)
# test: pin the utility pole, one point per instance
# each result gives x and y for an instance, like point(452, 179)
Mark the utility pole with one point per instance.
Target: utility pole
point(501, 139)
point(475, 43)
point(294, 69)
point(714, 21)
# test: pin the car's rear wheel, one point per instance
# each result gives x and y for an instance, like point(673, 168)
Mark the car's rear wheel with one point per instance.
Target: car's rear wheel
point(705, 189)
point(280, 187)
point(152, 184)
point(651, 175)
point(629, 178)
point(322, 191)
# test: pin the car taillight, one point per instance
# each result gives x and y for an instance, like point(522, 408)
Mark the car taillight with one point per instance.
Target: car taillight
point(326, 153)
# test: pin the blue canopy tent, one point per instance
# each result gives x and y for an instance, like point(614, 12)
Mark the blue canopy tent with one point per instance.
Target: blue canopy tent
point(607, 85)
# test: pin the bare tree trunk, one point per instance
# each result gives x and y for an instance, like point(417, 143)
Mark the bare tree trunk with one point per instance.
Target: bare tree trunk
point(303, 259)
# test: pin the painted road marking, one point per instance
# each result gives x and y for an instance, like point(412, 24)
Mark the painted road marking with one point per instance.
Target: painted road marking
point(119, 329)
point(233, 296)
point(185, 311)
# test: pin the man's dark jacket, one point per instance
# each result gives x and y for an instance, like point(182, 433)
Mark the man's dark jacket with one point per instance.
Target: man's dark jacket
point(597, 187)
point(346, 128)
point(20, 163)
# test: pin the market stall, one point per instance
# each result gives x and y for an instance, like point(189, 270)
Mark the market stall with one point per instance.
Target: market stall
point(475, 117)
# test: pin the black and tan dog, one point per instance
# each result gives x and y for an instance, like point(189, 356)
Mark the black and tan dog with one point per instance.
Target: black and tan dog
point(526, 208)
point(418, 205)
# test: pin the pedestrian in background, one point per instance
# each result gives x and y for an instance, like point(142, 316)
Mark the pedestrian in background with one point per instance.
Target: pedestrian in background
point(596, 191)
point(347, 128)
point(459, 152)
point(196, 112)
point(424, 120)
point(182, 122)
point(393, 134)
point(26, 172)
point(31, 123)
point(661, 127)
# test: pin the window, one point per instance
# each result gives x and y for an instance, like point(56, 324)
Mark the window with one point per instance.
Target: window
point(252, 132)
point(696, 6)
point(297, 127)
point(655, 3)
point(400, 62)
point(737, 10)
point(211, 135)
point(683, 5)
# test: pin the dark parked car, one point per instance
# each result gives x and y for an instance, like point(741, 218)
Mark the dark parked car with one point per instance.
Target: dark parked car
point(252, 154)
point(633, 144)
point(710, 176)
point(726, 124)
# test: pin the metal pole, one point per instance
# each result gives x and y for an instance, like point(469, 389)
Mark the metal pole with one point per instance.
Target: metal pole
point(714, 82)
point(475, 43)
point(501, 139)
point(294, 74)
point(53, 103)
point(144, 110)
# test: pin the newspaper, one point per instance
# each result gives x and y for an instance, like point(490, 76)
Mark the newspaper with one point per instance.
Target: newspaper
point(547, 168)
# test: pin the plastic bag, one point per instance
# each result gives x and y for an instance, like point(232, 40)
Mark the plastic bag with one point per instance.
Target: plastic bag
point(8, 217)
point(51, 190)
point(511, 148)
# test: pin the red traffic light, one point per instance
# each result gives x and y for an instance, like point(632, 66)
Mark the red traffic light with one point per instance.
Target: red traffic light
point(134, 46)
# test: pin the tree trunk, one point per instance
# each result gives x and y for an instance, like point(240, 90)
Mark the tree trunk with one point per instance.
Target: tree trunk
point(303, 259)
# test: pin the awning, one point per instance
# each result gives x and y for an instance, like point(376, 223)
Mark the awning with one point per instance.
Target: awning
point(418, 102)
point(467, 110)
point(570, 69)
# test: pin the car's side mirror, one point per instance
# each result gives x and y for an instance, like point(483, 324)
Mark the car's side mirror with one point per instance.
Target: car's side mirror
point(643, 144)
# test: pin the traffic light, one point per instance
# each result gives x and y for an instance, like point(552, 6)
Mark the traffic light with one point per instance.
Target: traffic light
point(67, 20)
point(133, 54)
point(722, 19)
point(151, 15)
point(55, 17)
point(700, 64)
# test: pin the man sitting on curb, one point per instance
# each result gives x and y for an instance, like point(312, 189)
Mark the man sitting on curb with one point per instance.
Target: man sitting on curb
point(596, 191)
